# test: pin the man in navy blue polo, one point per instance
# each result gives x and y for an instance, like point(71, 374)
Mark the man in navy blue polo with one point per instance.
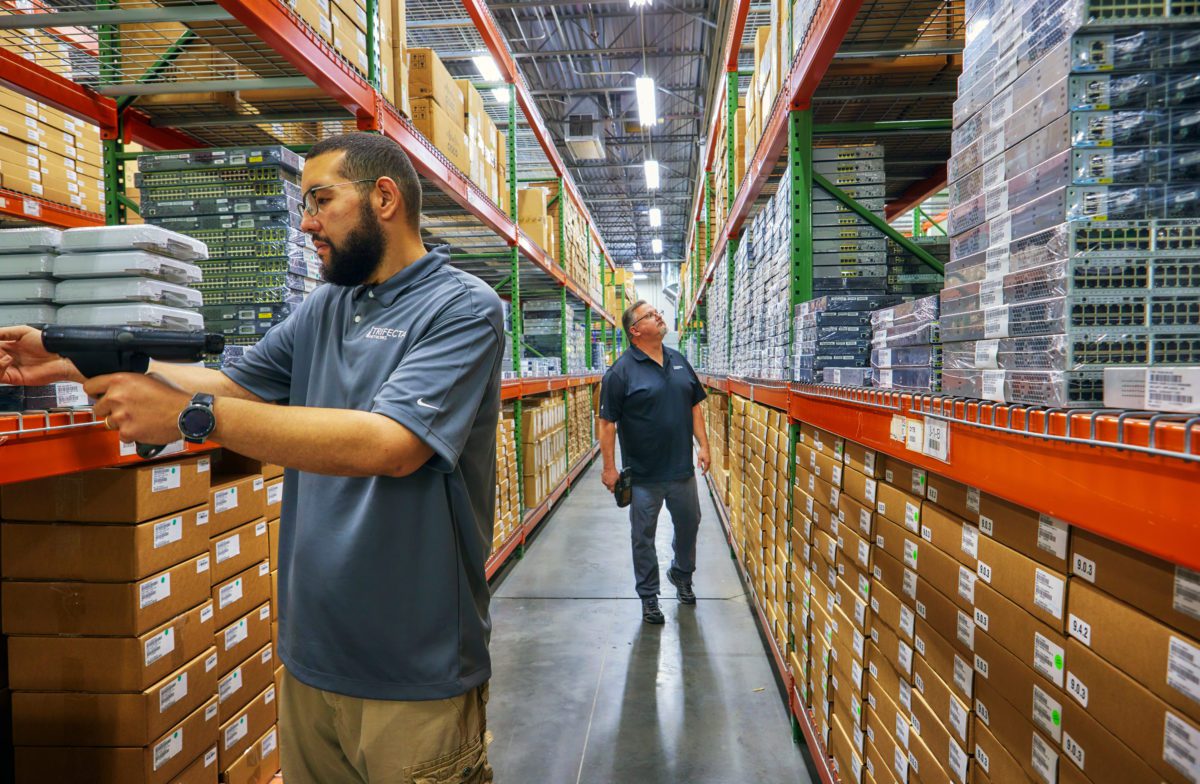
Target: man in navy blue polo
point(651, 399)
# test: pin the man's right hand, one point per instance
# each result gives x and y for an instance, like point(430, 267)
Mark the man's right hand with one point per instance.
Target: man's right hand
point(609, 477)
point(24, 361)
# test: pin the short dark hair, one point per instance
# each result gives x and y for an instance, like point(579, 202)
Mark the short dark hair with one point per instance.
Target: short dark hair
point(627, 318)
point(370, 156)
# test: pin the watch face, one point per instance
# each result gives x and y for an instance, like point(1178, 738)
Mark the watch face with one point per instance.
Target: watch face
point(197, 422)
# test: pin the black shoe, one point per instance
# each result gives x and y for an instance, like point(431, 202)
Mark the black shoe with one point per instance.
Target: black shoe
point(650, 611)
point(683, 587)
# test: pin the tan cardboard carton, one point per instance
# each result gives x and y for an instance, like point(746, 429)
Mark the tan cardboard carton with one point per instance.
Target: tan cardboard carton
point(237, 641)
point(241, 593)
point(1032, 586)
point(238, 549)
point(953, 712)
point(1036, 755)
point(944, 658)
point(1038, 700)
point(1034, 643)
point(993, 760)
point(259, 764)
point(1106, 760)
point(237, 689)
point(249, 724)
point(235, 501)
point(428, 78)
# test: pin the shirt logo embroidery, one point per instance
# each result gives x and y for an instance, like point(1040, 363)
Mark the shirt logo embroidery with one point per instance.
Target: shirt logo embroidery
point(421, 402)
point(677, 367)
point(384, 333)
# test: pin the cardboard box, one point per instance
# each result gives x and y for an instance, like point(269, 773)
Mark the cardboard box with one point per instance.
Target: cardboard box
point(120, 719)
point(273, 498)
point(1160, 589)
point(857, 514)
point(238, 550)
point(1130, 712)
point(941, 571)
point(101, 553)
point(886, 761)
point(950, 534)
point(111, 495)
point(428, 78)
point(158, 763)
point(1163, 661)
point(241, 593)
point(895, 650)
point(841, 748)
point(898, 473)
point(349, 40)
point(1034, 643)
point(237, 641)
point(1106, 760)
point(821, 440)
point(235, 501)
point(203, 769)
point(944, 659)
point(903, 509)
point(945, 752)
point(116, 609)
point(1036, 755)
point(946, 619)
point(889, 573)
point(890, 714)
point(952, 712)
point(231, 464)
point(993, 763)
point(250, 678)
point(1038, 536)
point(856, 548)
point(954, 497)
point(259, 764)
point(888, 609)
point(247, 725)
point(861, 459)
point(1038, 700)
point(1035, 588)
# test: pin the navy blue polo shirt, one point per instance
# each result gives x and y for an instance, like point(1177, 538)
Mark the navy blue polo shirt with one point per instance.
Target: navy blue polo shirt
point(381, 579)
point(652, 408)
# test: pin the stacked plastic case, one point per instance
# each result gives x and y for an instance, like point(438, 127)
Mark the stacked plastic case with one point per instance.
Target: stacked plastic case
point(27, 284)
point(245, 203)
point(833, 337)
point(906, 349)
point(1075, 194)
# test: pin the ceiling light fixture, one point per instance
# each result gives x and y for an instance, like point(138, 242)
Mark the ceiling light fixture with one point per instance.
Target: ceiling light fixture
point(637, 266)
point(656, 245)
point(639, 3)
point(487, 68)
point(647, 111)
point(651, 174)
point(655, 217)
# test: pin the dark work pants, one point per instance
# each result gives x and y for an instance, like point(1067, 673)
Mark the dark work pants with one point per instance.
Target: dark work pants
point(683, 502)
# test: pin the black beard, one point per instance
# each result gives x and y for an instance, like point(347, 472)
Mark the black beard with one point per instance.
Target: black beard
point(354, 261)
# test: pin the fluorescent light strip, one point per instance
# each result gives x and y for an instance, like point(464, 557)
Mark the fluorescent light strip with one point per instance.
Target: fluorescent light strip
point(655, 217)
point(647, 111)
point(651, 174)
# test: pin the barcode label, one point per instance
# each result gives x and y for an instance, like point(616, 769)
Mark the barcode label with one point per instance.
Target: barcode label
point(900, 763)
point(993, 380)
point(869, 490)
point(235, 732)
point(229, 548)
point(910, 553)
point(959, 761)
point(1181, 747)
point(229, 685)
point(1183, 668)
point(1045, 759)
point(1083, 567)
point(1172, 390)
point(991, 294)
point(959, 718)
point(907, 621)
point(1187, 591)
point(905, 695)
point(902, 730)
point(966, 584)
point(203, 465)
point(206, 613)
point(1047, 713)
point(1048, 658)
point(912, 516)
point(257, 484)
point(202, 517)
point(210, 663)
point(937, 439)
point(1052, 536)
point(905, 655)
point(168, 748)
point(168, 531)
point(973, 499)
point(172, 693)
point(966, 630)
point(275, 494)
point(154, 590)
point(1048, 592)
point(963, 677)
point(235, 634)
point(229, 593)
point(970, 540)
point(914, 437)
point(1077, 689)
point(910, 584)
point(160, 645)
point(164, 478)
point(224, 500)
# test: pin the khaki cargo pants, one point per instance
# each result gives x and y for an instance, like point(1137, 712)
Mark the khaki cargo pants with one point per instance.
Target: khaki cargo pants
point(328, 738)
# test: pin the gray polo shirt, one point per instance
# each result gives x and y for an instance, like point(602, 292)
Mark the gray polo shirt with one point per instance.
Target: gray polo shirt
point(381, 580)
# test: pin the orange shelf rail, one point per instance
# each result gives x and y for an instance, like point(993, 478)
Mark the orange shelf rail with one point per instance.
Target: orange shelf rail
point(1126, 475)
point(33, 208)
point(511, 389)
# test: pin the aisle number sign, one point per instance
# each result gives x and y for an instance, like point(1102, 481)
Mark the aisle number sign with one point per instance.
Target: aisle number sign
point(928, 436)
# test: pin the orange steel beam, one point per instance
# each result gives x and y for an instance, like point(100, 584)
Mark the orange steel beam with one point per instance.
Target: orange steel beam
point(33, 208)
point(915, 194)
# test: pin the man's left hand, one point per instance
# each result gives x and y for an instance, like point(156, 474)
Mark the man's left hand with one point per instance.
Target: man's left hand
point(703, 459)
point(139, 407)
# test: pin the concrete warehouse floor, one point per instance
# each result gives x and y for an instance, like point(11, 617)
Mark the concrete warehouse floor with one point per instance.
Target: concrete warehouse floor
point(583, 691)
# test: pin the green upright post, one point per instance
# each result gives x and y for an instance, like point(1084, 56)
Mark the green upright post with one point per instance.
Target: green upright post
point(800, 171)
point(918, 222)
point(112, 149)
point(373, 61)
point(518, 336)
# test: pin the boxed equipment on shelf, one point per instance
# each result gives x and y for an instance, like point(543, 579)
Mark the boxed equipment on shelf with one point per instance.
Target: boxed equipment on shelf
point(906, 347)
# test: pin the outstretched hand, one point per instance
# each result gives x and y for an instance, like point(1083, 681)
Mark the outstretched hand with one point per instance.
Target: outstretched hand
point(24, 361)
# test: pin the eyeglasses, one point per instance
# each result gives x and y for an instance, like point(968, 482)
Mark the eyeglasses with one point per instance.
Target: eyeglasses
point(643, 318)
point(310, 207)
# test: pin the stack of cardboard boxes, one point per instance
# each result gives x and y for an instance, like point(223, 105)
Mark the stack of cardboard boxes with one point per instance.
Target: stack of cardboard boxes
point(579, 426)
point(533, 216)
point(344, 25)
point(508, 503)
point(622, 283)
point(543, 446)
point(138, 606)
point(716, 421)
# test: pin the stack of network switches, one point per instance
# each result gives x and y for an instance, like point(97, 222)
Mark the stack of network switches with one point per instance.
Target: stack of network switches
point(1074, 194)
point(716, 355)
point(761, 286)
point(833, 338)
point(244, 203)
point(542, 349)
point(908, 276)
point(906, 351)
point(850, 256)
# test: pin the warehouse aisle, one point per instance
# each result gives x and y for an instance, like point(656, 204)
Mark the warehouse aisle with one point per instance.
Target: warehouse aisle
point(583, 691)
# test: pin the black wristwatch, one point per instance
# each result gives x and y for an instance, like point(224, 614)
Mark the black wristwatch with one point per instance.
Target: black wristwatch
point(197, 421)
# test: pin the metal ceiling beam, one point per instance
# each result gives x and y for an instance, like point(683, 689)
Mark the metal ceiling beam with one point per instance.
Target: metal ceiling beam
point(621, 51)
point(206, 86)
point(560, 3)
point(919, 48)
point(948, 92)
point(156, 14)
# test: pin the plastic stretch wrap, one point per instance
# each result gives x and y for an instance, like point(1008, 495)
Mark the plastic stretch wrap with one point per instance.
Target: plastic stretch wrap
point(907, 356)
point(914, 379)
point(1068, 389)
point(26, 265)
point(11, 315)
point(18, 292)
point(35, 239)
point(86, 291)
point(153, 239)
point(122, 264)
point(137, 315)
point(848, 376)
point(1076, 351)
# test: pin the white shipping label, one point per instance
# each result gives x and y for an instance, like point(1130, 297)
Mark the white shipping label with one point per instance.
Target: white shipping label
point(966, 584)
point(229, 685)
point(885, 378)
point(1047, 713)
point(987, 355)
point(1084, 567)
point(1079, 629)
point(912, 516)
point(963, 676)
point(910, 553)
point(235, 634)
point(1187, 591)
point(159, 646)
point(1049, 592)
point(167, 748)
point(899, 428)
point(910, 584)
point(257, 484)
point(966, 630)
point(921, 610)
point(1168, 389)
point(210, 757)
point(869, 490)
point(991, 294)
point(993, 385)
point(1077, 689)
point(915, 435)
point(229, 593)
point(860, 616)
point(900, 763)
point(172, 693)
point(235, 732)
point(168, 531)
point(982, 758)
point(264, 568)
point(275, 494)
point(164, 478)
point(1044, 759)
point(960, 718)
point(229, 548)
point(203, 564)
point(267, 654)
point(1074, 751)
point(905, 657)
point(864, 554)
point(981, 666)
point(973, 499)
point(260, 529)
point(1181, 747)
point(984, 570)
point(224, 500)
point(907, 621)
point(269, 697)
point(959, 761)
point(982, 712)
point(937, 439)
point(970, 540)
point(981, 619)
point(1048, 658)
point(264, 612)
point(1183, 668)
point(154, 590)
point(202, 517)
point(203, 465)
point(206, 613)
point(860, 643)
point(268, 744)
point(916, 723)
point(1052, 536)
point(996, 263)
point(902, 730)
point(884, 357)
point(210, 663)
